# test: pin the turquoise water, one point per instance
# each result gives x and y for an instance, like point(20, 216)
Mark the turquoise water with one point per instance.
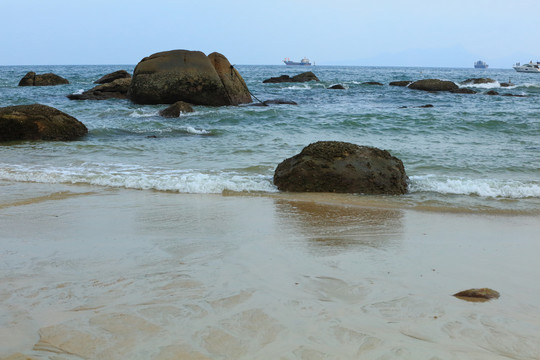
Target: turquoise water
point(475, 152)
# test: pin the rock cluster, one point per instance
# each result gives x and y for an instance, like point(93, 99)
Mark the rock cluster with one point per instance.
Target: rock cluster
point(48, 79)
point(189, 76)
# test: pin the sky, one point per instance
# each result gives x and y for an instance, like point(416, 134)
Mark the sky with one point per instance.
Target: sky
point(258, 32)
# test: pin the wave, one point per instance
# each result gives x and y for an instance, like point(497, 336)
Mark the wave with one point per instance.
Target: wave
point(490, 188)
point(137, 177)
point(141, 112)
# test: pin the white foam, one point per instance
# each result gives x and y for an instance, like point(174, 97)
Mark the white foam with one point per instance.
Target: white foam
point(136, 177)
point(192, 130)
point(141, 112)
point(482, 187)
point(493, 85)
point(299, 87)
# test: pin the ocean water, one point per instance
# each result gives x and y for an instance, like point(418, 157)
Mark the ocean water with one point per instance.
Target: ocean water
point(467, 152)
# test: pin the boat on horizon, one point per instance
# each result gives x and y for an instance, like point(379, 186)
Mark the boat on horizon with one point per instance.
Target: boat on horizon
point(480, 65)
point(304, 62)
point(530, 67)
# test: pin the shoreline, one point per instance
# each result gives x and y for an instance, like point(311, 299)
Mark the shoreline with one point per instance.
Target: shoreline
point(92, 272)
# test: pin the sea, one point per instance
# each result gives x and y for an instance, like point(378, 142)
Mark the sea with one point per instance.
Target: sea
point(467, 152)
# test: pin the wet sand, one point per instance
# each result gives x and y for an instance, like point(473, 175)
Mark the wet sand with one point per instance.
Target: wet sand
point(94, 273)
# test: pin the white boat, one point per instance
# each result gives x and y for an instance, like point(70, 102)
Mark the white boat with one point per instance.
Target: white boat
point(530, 67)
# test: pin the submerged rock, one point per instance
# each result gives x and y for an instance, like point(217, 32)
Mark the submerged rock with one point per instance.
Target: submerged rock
point(337, 87)
point(433, 85)
point(483, 294)
point(463, 91)
point(400, 83)
point(333, 166)
point(190, 76)
point(303, 77)
point(116, 89)
point(372, 83)
point(38, 122)
point(120, 74)
point(492, 92)
point(176, 109)
point(476, 81)
point(48, 79)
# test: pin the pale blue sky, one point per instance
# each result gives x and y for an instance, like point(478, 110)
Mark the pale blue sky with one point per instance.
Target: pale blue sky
point(331, 32)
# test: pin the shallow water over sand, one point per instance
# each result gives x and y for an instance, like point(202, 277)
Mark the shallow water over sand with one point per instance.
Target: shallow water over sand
point(93, 273)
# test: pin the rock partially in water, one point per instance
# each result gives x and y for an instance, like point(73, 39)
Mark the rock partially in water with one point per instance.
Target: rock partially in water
point(38, 122)
point(190, 76)
point(337, 87)
point(372, 83)
point(303, 77)
point(476, 81)
point(176, 109)
point(48, 79)
point(400, 83)
point(120, 74)
point(333, 166)
point(492, 92)
point(477, 295)
point(463, 91)
point(433, 85)
point(117, 89)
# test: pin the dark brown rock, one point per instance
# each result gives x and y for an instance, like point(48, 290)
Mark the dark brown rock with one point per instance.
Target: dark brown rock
point(337, 87)
point(233, 82)
point(333, 166)
point(476, 81)
point(303, 77)
point(433, 85)
point(463, 91)
point(514, 95)
point(275, 102)
point(476, 295)
point(38, 122)
point(400, 83)
point(48, 79)
point(176, 109)
point(120, 74)
point(492, 92)
point(116, 89)
point(183, 75)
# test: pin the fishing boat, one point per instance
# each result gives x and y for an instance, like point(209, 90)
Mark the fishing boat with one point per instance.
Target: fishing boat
point(304, 61)
point(530, 67)
point(480, 65)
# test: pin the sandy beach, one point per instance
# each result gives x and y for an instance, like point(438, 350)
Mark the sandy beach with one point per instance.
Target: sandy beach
point(99, 273)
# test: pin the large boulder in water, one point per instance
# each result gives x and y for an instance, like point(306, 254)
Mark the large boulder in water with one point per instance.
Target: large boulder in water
point(333, 166)
point(38, 122)
point(48, 79)
point(116, 89)
point(190, 76)
point(234, 84)
point(433, 85)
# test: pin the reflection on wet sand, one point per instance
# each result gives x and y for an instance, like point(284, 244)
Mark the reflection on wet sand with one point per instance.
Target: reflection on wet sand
point(331, 228)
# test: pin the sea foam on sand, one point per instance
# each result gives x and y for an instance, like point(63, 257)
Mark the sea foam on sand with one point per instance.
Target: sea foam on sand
point(90, 272)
